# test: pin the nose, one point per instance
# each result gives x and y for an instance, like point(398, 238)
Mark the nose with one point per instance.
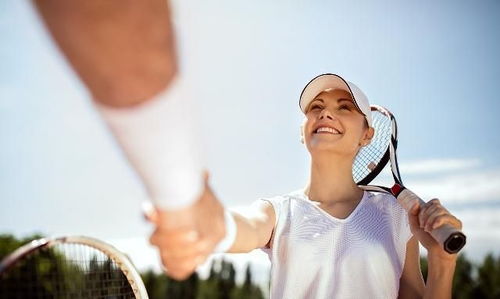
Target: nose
point(326, 114)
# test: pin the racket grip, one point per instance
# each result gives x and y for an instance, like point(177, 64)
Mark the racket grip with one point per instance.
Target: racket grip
point(451, 238)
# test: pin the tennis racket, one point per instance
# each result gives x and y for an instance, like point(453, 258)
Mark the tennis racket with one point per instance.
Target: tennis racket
point(69, 267)
point(372, 158)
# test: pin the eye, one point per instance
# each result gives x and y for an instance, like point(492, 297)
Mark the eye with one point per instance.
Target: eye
point(315, 107)
point(345, 106)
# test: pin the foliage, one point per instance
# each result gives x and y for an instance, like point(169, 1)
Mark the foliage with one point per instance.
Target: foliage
point(220, 284)
point(481, 280)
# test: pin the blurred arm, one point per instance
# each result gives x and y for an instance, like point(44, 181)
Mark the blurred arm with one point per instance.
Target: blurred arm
point(123, 50)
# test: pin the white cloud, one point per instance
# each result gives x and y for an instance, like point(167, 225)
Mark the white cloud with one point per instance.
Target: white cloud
point(463, 188)
point(456, 181)
point(437, 165)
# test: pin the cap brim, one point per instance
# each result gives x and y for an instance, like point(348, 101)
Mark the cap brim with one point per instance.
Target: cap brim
point(321, 83)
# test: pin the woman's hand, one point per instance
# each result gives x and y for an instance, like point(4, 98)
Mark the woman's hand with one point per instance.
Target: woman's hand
point(186, 237)
point(427, 217)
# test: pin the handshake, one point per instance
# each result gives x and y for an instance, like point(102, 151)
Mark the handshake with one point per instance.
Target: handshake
point(186, 237)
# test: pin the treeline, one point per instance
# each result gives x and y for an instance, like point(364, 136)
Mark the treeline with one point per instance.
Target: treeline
point(74, 278)
point(220, 284)
point(472, 280)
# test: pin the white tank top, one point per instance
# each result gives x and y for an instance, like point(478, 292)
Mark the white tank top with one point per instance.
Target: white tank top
point(315, 255)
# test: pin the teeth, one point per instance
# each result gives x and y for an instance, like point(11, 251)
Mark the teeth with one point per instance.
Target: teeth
point(327, 129)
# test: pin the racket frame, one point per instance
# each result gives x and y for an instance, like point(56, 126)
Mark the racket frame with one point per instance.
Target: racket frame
point(451, 238)
point(119, 258)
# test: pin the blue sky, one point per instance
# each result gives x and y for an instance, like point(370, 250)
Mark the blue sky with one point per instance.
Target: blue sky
point(433, 63)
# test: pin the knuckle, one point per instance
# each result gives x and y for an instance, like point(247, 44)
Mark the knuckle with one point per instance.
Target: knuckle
point(439, 217)
point(434, 201)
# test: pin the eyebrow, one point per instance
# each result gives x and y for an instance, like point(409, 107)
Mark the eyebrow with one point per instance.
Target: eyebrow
point(318, 99)
point(345, 100)
point(338, 100)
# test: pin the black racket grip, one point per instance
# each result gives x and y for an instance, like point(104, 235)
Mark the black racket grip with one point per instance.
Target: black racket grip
point(451, 238)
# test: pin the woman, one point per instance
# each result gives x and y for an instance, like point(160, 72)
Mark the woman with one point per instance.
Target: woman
point(332, 239)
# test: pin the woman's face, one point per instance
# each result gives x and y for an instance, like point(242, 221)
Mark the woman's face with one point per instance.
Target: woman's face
point(334, 124)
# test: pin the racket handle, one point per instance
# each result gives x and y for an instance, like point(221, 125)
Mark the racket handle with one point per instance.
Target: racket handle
point(451, 238)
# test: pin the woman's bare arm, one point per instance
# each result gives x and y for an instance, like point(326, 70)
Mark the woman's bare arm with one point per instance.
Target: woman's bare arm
point(411, 284)
point(254, 227)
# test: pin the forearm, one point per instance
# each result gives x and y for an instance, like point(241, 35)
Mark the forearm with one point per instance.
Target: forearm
point(123, 50)
point(439, 278)
point(161, 140)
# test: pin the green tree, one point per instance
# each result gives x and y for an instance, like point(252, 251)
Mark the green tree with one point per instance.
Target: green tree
point(156, 284)
point(209, 288)
point(248, 290)
point(463, 282)
point(488, 279)
point(227, 280)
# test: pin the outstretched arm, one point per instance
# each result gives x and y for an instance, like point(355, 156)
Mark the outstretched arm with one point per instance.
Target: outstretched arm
point(123, 50)
point(183, 248)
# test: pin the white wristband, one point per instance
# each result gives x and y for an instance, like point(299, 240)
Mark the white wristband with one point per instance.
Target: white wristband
point(162, 142)
point(228, 240)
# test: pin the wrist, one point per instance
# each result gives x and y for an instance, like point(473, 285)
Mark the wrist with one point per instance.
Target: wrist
point(441, 258)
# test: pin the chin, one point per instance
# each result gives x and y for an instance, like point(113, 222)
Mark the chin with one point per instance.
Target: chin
point(323, 147)
point(320, 147)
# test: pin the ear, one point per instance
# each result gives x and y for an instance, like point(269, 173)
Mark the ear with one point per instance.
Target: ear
point(367, 137)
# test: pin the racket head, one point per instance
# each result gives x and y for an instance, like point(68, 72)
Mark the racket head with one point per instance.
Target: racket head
point(69, 267)
point(372, 158)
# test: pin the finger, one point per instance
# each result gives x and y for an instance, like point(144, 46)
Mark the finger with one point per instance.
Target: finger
point(180, 264)
point(179, 275)
point(173, 238)
point(422, 215)
point(180, 269)
point(430, 210)
point(446, 219)
point(149, 212)
point(426, 210)
point(206, 246)
point(176, 274)
point(435, 201)
point(432, 218)
point(181, 252)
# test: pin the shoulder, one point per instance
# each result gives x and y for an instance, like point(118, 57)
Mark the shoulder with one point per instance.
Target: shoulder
point(280, 203)
point(386, 202)
point(382, 198)
point(284, 198)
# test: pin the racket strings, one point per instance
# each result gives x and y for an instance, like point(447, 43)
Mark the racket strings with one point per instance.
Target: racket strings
point(369, 157)
point(65, 271)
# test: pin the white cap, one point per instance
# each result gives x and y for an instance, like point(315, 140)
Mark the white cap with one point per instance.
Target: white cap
point(328, 81)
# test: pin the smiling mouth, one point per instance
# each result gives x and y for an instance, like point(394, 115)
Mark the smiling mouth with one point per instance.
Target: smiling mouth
point(327, 130)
